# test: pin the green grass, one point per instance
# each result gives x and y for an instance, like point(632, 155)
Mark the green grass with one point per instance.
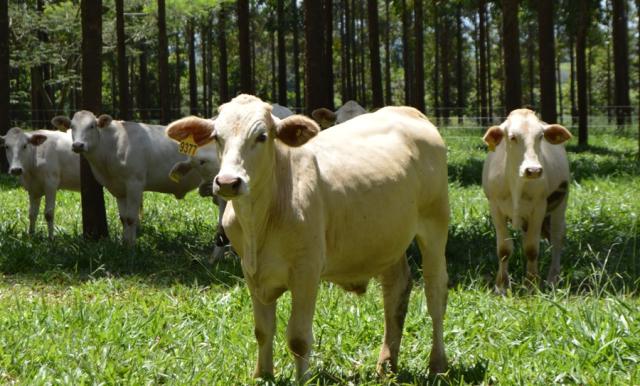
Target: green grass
point(78, 312)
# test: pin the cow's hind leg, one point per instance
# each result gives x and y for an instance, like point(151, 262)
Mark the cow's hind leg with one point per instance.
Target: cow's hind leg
point(432, 240)
point(396, 288)
point(34, 208)
point(49, 208)
point(264, 316)
point(557, 234)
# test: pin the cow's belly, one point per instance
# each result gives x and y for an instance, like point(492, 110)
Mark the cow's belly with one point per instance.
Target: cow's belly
point(526, 206)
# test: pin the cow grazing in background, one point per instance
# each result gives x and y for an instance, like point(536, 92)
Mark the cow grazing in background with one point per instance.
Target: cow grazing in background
point(327, 118)
point(127, 158)
point(526, 179)
point(341, 205)
point(45, 163)
point(280, 111)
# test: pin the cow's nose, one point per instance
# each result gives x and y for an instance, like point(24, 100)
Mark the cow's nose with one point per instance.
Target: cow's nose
point(533, 172)
point(227, 185)
point(77, 147)
point(15, 171)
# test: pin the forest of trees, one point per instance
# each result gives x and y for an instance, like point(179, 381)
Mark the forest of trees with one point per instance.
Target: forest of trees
point(470, 59)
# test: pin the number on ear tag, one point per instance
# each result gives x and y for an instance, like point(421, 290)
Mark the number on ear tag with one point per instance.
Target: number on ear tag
point(188, 146)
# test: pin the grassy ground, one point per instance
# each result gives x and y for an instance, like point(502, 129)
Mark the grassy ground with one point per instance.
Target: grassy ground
point(75, 312)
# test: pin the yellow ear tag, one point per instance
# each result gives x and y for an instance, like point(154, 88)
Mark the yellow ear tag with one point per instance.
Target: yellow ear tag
point(188, 146)
point(492, 147)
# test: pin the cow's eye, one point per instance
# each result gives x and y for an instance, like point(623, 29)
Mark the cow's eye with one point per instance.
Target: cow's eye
point(24, 146)
point(513, 138)
point(202, 162)
point(261, 137)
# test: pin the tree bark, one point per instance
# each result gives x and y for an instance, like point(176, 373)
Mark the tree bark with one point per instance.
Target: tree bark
point(163, 65)
point(621, 62)
point(407, 63)
point(296, 54)
point(177, 98)
point(482, 41)
point(315, 89)
point(437, 48)
point(123, 68)
point(572, 80)
point(531, 64)
point(5, 107)
point(143, 84)
point(94, 219)
point(459, 70)
point(282, 55)
point(559, 91)
point(418, 66)
point(547, 55)
point(581, 69)
point(387, 55)
point(374, 53)
point(444, 67)
point(246, 83)
point(489, 86)
point(223, 58)
point(328, 53)
point(193, 76)
point(510, 34)
point(205, 72)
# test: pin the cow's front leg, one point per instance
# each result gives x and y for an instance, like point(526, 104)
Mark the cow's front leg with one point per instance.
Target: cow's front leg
point(264, 316)
point(34, 208)
point(304, 289)
point(557, 234)
point(50, 207)
point(504, 248)
point(129, 213)
point(396, 288)
point(532, 243)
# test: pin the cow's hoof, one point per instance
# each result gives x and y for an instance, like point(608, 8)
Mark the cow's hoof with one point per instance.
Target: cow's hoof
point(438, 364)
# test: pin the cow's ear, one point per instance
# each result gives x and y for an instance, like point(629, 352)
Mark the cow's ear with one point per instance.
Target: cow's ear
point(296, 130)
point(201, 129)
point(493, 136)
point(104, 120)
point(1, 140)
point(324, 117)
point(179, 170)
point(37, 139)
point(61, 122)
point(556, 134)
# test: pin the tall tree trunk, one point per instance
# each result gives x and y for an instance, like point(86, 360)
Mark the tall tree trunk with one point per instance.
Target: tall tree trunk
point(347, 51)
point(246, 84)
point(510, 34)
point(374, 53)
point(547, 55)
point(113, 87)
point(274, 67)
point(482, 41)
point(437, 48)
point(282, 55)
point(608, 80)
point(621, 61)
point(143, 84)
point(584, 18)
point(36, 100)
point(572, 80)
point(163, 64)
point(387, 55)
point(296, 54)
point(177, 99)
point(638, 56)
point(418, 66)
point(459, 70)
point(193, 76)
point(210, 80)
point(444, 67)
point(94, 218)
point(407, 63)
point(5, 107)
point(530, 64)
point(123, 76)
point(328, 53)
point(361, 50)
point(203, 61)
point(355, 78)
point(314, 33)
point(223, 58)
point(489, 88)
point(559, 91)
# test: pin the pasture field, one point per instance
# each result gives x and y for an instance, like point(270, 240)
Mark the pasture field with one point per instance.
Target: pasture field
point(76, 312)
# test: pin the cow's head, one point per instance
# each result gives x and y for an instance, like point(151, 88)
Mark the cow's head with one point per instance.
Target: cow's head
point(85, 129)
point(245, 133)
point(205, 162)
point(19, 147)
point(523, 134)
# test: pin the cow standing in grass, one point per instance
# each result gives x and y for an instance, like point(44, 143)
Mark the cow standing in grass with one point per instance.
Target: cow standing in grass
point(526, 179)
point(341, 205)
point(45, 163)
point(127, 158)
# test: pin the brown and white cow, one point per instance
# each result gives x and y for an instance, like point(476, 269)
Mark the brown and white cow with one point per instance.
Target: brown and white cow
point(340, 205)
point(45, 163)
point(127, 158)
point(327, 118)
point(526, 179)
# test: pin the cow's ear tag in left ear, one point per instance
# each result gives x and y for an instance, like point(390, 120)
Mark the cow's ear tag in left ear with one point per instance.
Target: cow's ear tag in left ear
point(188, 146)
point(491, 147)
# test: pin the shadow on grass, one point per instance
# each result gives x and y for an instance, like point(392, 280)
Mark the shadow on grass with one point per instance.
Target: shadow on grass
point(8, 182)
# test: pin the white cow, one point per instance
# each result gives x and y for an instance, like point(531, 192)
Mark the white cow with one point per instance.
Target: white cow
point(45, 163)
point(327, 118)
point(344, 207)
point(525, 178)
point(127, 158)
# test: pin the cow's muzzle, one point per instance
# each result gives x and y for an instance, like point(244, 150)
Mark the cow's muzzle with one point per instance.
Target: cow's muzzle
point(533, 172)
point(227, 185)
point(78, 147)
point(15, 171)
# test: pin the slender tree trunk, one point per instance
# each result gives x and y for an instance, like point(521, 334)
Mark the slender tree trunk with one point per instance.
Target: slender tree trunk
point(418, 65)
point(354, 54)
point(638, 56)
point(296, 54)
point(547, 55)
point(222, 58)
point(489, 86)
point(163, 64)
point(437, 48)
point(361, 51)
point(5, 107)
point(274, 67)
point(572, 80)
point(143, 85)
point(482, 41)
point(621, 61)
point(282, 55)
point(608, 80)
point(510, 34)
point(210, 79)
point(374, 53)
point(113, 89)
point(347, 50)
point(531, 66)
point(123, 76)
point(328, 53)
point(406, 53)
point(343, 51)
point(178, 92)
point(459, 70)
point(387, 55)
point(476, 60)
point(36, 105)
point(559, 78)
point(246, 84)
point(94, 218)
point(193, 77)
point(205, 72)
point(584, 18)
point(444, 67)
point(314, 32)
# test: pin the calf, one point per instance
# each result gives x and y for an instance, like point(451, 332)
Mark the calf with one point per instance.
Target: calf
point(526, 179)
point(327, 118)
point(343, 208)
point(45, 163)
point(127, 158)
